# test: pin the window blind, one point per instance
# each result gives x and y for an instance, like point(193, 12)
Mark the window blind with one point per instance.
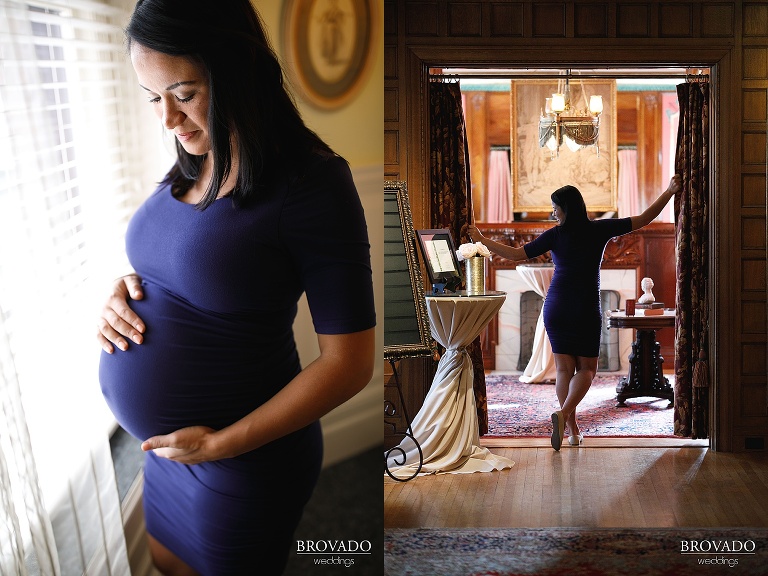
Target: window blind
point(73, 151)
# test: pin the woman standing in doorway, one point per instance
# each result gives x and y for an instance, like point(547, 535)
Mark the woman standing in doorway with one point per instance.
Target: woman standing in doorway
point(572, 314)
point(256, 210)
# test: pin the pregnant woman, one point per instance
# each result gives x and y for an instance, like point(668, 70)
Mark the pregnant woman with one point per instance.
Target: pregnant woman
point(256, 210)
point(572, 313)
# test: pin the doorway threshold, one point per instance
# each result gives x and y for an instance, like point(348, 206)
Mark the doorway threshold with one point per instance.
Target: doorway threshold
point(596, 442)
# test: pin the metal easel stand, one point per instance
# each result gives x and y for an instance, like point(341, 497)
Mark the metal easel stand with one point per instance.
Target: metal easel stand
point(390, 410)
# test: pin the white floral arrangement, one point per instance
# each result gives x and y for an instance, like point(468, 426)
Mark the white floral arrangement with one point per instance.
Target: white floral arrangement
point(471, 250)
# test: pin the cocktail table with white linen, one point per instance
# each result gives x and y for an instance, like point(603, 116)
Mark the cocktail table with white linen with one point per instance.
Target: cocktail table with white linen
point(446, 427)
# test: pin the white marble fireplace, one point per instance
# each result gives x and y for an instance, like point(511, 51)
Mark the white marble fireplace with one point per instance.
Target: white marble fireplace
point(508, 346)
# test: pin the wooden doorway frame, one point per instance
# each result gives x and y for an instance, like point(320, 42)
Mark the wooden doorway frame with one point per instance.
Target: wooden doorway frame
point(419, 59)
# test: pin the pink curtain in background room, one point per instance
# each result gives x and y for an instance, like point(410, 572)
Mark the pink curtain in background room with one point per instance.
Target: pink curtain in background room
point(628, 197)
point(499, 187)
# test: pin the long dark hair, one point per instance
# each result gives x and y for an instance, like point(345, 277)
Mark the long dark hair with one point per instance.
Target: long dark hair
point(248, 100)
point(571, 201)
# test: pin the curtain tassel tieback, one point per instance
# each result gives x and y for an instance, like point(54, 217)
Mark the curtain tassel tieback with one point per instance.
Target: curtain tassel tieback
point(700, 372)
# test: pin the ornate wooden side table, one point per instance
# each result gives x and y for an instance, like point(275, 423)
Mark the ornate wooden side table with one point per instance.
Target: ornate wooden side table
point(645, 377)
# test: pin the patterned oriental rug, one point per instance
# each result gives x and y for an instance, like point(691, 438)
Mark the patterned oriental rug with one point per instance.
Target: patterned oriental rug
point(575, 551)
point(516, 409)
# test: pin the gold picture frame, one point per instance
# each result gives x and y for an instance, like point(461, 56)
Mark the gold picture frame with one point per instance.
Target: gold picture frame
point(407, 333)
point(328, 47)
point(536, 173)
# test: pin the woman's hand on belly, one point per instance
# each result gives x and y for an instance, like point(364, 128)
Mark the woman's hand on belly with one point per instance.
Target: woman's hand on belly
point(118, 321)
point(191, 445)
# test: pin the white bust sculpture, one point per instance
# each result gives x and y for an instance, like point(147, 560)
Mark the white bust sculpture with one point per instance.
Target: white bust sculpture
point(647, 298)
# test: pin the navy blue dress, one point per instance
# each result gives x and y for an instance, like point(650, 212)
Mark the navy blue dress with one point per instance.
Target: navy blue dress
point(572, 314)
point(220, 295)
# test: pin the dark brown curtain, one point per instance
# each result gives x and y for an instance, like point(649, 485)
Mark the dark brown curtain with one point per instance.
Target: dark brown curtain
point(691, 213)
point(451, 202)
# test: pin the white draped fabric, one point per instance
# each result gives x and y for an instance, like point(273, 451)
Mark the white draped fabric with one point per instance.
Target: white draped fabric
point(446, 427)
point(541, 366)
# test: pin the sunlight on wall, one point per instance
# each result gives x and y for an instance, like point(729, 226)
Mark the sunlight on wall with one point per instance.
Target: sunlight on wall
point(355, 131)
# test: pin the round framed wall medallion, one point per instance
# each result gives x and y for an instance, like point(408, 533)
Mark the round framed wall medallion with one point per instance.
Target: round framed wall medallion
point(328, 46)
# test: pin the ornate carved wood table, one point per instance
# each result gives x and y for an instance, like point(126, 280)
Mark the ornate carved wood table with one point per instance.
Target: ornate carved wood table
point(645, 376)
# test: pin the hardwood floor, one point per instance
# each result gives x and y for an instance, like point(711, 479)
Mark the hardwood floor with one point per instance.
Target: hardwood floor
point(605, 483)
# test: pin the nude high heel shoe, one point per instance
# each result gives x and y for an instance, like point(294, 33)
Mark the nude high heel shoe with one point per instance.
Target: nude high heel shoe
point(558, 429)
point(576, 439)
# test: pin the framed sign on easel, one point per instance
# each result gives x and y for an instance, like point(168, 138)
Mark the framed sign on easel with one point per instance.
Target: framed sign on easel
point(407, 332)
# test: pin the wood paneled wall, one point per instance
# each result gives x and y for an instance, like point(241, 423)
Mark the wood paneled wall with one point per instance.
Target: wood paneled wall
point(731, 37)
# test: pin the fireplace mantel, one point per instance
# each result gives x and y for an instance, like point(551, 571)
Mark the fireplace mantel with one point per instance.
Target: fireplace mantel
point(649, 251)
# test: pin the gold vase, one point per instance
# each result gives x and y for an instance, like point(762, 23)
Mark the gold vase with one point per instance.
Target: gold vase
point(474, 269)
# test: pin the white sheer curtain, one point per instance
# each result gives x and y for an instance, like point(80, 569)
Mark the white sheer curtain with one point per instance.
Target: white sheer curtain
point(19, 486)
point(70, 175)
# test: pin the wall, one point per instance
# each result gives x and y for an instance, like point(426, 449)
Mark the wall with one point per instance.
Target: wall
point(354, 131)
point(729, 36)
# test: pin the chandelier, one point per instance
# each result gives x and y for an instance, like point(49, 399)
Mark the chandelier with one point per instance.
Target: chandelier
point(562, 121)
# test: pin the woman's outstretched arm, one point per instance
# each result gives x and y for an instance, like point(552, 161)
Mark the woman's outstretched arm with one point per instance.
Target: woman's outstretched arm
point(654, 209)
point(508, 252)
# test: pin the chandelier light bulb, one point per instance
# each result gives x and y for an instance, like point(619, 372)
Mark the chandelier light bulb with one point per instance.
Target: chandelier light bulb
point(596, 104)
point(558, 103)
point(561, 122)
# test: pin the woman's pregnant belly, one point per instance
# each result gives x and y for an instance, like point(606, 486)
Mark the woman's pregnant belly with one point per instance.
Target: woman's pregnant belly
point(194, 367)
